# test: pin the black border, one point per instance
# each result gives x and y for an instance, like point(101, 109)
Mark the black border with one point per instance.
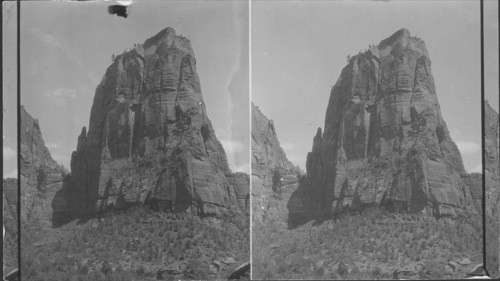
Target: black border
point(483, 162)
point(19, 137)
point(1, 115)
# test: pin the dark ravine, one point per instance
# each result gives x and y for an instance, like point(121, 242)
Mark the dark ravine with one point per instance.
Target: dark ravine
point(384, 141)
point(150, 141)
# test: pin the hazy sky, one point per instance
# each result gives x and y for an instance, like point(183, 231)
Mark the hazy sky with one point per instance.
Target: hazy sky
point(9, 93)
point(299, 49)
point(491, 51)
point(66, 48)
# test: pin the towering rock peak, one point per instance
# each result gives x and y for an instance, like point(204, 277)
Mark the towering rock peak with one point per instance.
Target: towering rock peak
point(34, 153)
point(268, 161)
point(41, 176)
point(384, 139)
point(266, 150)
point(491, 136)
point(149, 139)
point(492, 189)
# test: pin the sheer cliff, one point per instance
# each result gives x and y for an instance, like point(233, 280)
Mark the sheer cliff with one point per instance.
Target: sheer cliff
point(492, 189)
point(268, 158)
point(41, 176)
point(384, 140)
point(150, 140)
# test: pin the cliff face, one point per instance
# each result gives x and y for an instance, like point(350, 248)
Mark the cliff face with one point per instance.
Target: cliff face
point(41, 176)
point(492, 189)
point(267, 156)
point(266, 150)
point(384, 140)
point(491, 135)
point(149, 139)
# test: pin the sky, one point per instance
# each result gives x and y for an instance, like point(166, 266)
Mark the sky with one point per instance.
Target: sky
point(299, 49)
point(66, 48)
point(9, 91)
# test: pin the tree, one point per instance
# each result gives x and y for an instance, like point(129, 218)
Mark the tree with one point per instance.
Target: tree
point(113, 57)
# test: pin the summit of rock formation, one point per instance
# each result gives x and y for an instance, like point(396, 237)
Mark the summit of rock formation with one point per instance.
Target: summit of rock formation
point(384, 141)
point(41, 176)
point(150, 140)
point(266, 150)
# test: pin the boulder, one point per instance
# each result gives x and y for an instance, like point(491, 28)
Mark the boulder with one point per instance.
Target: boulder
point(464, 261)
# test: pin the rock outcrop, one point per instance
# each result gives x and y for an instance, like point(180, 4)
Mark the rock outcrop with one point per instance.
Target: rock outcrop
point(150, 140)
point(41, 176)
point(492, 189)
point(384, 140)
point(267, 157)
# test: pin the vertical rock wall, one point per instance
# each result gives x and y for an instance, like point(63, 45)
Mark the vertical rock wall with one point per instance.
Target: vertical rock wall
point(384, 140)
point(149, 139)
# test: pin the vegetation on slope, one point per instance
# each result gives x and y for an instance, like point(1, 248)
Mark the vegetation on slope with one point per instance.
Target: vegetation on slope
point(373, 244)
point(138, 244)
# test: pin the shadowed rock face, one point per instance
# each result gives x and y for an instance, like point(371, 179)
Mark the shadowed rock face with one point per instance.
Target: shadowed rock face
point(492, 189)
point(384, 140)
point(41, 176)
point(149, 139)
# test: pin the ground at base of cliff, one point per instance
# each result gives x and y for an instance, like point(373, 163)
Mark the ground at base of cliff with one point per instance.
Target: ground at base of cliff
point(137, 244)
point(374, 244)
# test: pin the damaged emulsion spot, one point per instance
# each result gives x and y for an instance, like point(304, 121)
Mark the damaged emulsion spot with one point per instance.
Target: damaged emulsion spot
point(119, 10)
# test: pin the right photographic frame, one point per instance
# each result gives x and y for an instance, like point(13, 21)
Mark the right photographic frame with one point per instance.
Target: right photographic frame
point(374, 139)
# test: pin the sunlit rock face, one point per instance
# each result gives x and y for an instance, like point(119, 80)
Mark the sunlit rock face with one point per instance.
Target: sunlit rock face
point(150, 140)
point(41, 176)
point(268, 156)
point(384, 140)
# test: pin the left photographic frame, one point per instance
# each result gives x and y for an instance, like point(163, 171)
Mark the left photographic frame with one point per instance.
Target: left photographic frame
point(134, 140)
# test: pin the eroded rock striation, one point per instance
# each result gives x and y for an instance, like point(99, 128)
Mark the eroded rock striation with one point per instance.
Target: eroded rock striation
point(492, 189)
point(268, 156)
point(149, 139)
point(41, 176)
point(384, 140)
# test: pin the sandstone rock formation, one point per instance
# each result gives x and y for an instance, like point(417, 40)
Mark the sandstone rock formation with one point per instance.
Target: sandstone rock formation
point(267, 156)
point(150, 140)
point(41, 176)
point(492, 189)
point(384, 140)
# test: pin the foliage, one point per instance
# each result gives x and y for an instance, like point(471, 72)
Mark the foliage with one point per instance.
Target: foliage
point(366, 245)
point(133, 245)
